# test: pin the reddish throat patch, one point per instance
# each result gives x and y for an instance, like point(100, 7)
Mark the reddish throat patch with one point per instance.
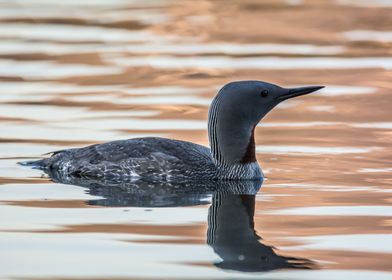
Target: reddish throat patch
point(250, 153)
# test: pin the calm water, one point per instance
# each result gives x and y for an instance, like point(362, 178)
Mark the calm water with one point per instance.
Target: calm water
point(74, 73)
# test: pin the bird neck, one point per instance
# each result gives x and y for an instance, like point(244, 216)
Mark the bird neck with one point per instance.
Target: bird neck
point(231, 140)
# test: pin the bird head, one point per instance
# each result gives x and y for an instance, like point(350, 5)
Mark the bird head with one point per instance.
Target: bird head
point(250, 101)
point(235, 112)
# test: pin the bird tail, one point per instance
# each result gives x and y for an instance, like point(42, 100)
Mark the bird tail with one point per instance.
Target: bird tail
point(36, 164)
point(43, 163)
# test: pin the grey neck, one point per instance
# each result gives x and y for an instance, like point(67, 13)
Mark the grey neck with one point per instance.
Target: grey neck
point(232, 143)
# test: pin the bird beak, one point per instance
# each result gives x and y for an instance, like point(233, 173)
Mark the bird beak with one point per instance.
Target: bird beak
point(294, 92)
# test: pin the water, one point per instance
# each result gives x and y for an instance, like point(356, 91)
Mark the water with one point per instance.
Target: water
point(81, 72)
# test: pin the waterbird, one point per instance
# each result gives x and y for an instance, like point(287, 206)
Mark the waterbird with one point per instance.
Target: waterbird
point(233, 115)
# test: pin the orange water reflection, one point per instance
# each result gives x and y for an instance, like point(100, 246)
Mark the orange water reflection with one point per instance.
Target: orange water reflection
point(73, 74)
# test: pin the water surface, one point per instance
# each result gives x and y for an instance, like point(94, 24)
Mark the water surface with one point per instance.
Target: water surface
point(81, 72)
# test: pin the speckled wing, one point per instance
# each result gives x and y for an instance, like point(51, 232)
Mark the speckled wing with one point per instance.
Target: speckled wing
point(156, 158)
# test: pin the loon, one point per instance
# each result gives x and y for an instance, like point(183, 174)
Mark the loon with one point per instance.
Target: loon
point(233, 115)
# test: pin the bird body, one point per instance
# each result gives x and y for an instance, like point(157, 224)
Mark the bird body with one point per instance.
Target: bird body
point(233, 116)
point(157, 158)
point(152, 157)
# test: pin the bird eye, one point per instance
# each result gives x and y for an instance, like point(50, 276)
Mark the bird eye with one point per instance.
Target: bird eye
point(264, 93)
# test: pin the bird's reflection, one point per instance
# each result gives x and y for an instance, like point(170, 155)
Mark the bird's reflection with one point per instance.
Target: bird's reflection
point(232, 235)
point(230, 232)
point(144, 193)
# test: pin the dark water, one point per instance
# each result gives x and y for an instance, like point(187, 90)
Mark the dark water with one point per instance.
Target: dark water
point(74, 73)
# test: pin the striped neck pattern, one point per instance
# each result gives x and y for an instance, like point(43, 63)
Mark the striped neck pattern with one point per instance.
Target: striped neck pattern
point(244, 169)
point(213, 129)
